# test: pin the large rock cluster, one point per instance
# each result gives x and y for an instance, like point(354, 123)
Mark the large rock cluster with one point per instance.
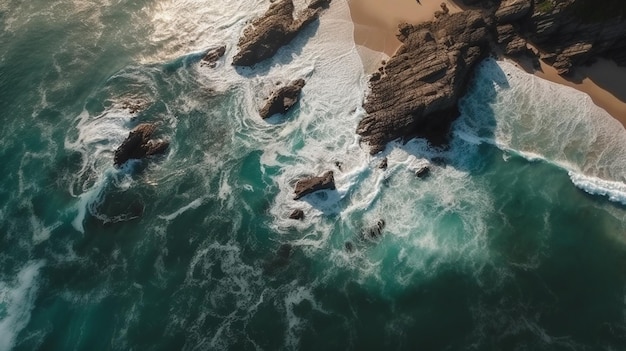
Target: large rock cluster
point(415, 93)
point(277, 27)
point(418, 89)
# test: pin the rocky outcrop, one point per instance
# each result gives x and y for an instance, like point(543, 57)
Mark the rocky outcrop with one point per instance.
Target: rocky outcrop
point(312, 184)
point(374, 232)
point(563, 33)
point(415, 93)
point(281, 100)
point(139, 144)
point(297, 214)
point(212, 56)
point(276, 28)
point(512, 10)
point(420, 85)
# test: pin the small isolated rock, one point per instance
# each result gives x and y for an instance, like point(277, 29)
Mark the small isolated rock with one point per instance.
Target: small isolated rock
point(281, 100)
point(383, 164)
point(297, 214)
point(139, 144)
point(422, 172)
point(312, 184)
point(211, 57)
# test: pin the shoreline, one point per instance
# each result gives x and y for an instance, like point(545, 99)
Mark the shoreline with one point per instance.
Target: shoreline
point(376, 24)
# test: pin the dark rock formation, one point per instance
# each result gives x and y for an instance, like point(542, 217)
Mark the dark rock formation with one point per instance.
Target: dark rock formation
point(281, 100)
point(297, 214)
point(276, 28)
point(422, 172)
point(512, 10)
point(283, 254)
point(418, 91)
point(383, 164)
point(349, 246)
point(139, 144)
point(319, 4)
point(566, 36)
point(312, 184)
point(211, 57)
point(373, 232)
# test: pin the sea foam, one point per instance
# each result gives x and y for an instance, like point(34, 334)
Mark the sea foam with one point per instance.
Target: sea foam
point(538, 119)
point(16, 303)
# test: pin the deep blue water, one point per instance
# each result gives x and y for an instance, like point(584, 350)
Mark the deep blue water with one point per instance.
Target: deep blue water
point(514, 242)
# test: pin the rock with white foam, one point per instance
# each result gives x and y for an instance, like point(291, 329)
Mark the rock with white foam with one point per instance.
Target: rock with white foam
point(276, 28)
point(139, 144)
point(310, 185)
point(283, 99)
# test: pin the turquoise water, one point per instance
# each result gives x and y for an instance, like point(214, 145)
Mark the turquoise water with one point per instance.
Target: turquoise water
point(514, 242)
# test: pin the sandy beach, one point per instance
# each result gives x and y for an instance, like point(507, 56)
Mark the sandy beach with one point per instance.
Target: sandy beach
point(376, 21)
point(375, 28)
point(602, 81)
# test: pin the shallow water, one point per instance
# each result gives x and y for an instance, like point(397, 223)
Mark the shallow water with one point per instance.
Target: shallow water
point(514, 240)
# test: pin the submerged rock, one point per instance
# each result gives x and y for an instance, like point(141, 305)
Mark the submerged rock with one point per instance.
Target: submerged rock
point(139, 144)
point(281, 100)
point(373, 232)
point(283, 254)
point(312, 184)
point(212, 56)
point(349, 246)
point(277, 27)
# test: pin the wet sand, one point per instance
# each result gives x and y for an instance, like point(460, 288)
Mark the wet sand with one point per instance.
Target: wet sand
point(602, 81)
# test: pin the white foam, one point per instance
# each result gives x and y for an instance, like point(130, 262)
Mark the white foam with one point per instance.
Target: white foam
point(615, 191)
point(538, 119)
point(190, 206)
point(17, 299)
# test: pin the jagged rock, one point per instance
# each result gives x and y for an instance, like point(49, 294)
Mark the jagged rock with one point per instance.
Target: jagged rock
point(512, 10)
point(312, 184)
point(422, 172)
point(211, 57)
point(568, 41)
point(276, 28)
point(297, 214)
point(383, 164)
point(281, 100)
point(418, 93)
point(373, 232)
point(511, 43)
point(139, 144)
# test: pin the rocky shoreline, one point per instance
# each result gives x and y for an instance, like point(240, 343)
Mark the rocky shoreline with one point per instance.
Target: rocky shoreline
point(416, 92)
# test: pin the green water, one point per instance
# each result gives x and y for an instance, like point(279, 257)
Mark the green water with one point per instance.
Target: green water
point(498, 249)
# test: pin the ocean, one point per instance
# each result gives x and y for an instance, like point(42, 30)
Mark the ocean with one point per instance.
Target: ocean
point(514, 241)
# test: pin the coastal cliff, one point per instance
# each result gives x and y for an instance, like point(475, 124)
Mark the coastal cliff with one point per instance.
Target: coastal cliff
point(416, 92)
